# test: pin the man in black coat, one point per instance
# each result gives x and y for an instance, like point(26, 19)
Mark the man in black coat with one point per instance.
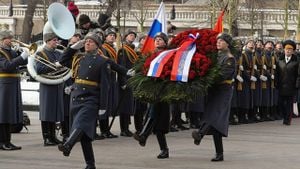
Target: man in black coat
point(287, 80)
point(10, 91)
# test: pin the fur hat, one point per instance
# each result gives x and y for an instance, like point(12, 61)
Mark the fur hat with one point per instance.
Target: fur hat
point(130, 31)
point(49, 36)
point(289, 43)
point(110, 30)
point(163, 36)
point(94, 37)
point(227, 38)
point(83, 19)
point(73, 8)
point(6, 34)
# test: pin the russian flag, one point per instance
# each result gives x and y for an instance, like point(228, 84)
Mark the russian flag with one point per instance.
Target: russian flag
point(159, 25)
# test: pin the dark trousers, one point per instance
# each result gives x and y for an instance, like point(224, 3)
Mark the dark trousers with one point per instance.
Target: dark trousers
point(87, 149)
point(5, 135)
point(285, 104)
point(124, 122)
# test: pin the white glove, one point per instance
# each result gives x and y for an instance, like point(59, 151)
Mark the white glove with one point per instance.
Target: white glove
point(123, 87)
point(253, 79)
point(25, 53)
point(263, 78)
point(272, 77)
point(78, 45)
point(274, 66)
point(239, 78)
point(101, 112)
point(68, 90)
point(241, 68)
point(58, 65)
point(255, 67)
point(130, 72)
point(264, 67)
point(233, 80)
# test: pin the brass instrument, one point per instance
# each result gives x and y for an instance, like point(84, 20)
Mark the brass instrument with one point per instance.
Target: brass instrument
point(32, 47)
point(61, 23)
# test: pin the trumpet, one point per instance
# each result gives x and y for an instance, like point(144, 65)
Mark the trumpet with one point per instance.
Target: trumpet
point(32, 47)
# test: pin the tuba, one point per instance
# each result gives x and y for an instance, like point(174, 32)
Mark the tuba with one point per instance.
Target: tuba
point(60, 22)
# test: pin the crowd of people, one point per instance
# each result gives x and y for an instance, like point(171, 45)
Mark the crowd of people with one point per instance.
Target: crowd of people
point(259, 83)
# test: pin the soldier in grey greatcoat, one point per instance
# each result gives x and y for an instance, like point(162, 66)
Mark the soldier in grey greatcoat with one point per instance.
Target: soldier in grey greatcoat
point(215, 119)
point(89, 94)
point(51, 96)
point(10, 91)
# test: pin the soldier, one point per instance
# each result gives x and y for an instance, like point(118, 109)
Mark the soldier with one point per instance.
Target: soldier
point(127, 57)
point(10, 91)
point(51, 96)
point(158, 119)
point(217, 110)
point(247, 80)
point(287, 80)
point(266, 77)
point(89, 95)
point(109, 50)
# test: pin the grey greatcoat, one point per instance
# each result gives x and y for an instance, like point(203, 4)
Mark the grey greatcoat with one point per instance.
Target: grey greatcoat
point(51, 96)
point(87, 99)
point(218, 104)
point(126, 59)
point(10, 90)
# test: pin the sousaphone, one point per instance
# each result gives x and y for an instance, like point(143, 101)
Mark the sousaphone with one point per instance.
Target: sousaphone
point(61, 22)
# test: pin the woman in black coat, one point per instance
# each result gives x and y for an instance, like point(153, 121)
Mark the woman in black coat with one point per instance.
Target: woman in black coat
point(215, 119)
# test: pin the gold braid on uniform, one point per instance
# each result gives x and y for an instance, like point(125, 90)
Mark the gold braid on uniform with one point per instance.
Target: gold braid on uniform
point(111, 51)
point(132, 56)
point(5, 54)
point(75, 65)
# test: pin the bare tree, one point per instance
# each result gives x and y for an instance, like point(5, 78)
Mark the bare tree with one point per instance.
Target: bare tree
point(141, 17)
point(28, 22)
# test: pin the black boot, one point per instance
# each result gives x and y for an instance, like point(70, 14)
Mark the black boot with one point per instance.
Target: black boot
point(124, 124)
point(46, 135)
point(88, 152)
point(142, 137)
point(162, 141)
point(219, 147)
point(52, 131)
point(68, 145)
point(198, 135)
point(104, 128)
point(138, 121)
point(7, 140)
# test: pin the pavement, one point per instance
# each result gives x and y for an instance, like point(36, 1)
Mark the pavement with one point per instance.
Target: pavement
point(266, 145)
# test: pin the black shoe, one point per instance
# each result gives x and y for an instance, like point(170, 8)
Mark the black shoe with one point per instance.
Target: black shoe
point(140, 139)
point(173, 129)
point(110, 135)
point(56, 141)
point(10, 147)
point(193, 126)
point(99, 137)
point(48, 142)
point(90, 167)
point(163, 154)
point(183, 127)
point(126, 133)
point(287, 123)
point(197, 137)
point(65, 149)
point(219, 157)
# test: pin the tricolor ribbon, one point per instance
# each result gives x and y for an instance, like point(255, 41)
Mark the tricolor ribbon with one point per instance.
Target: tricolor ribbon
point(183, 59)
